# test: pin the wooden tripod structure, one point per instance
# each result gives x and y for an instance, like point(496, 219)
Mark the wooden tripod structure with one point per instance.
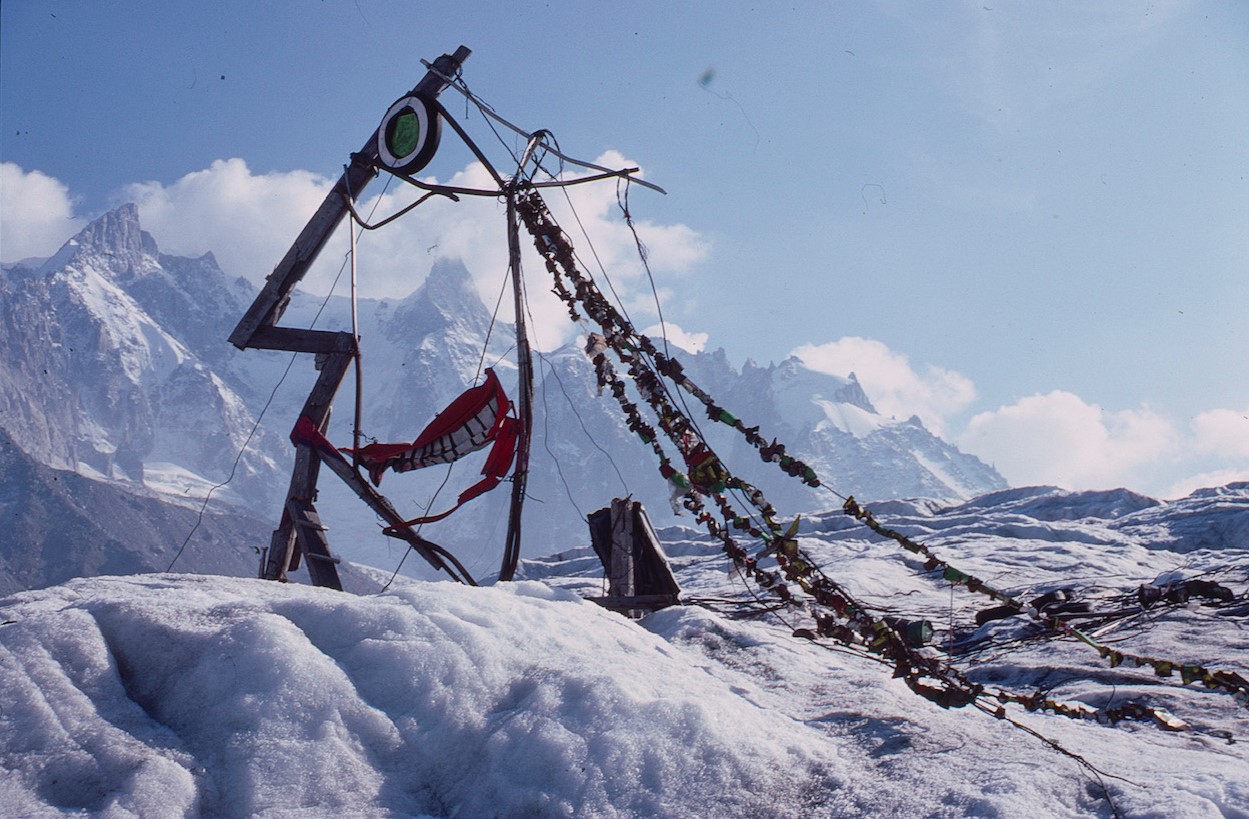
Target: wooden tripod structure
point(300, 531)
point(410, 129)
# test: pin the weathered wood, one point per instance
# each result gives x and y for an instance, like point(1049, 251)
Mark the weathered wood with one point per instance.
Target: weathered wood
point(285, 547)
point(333, 370)
point(638, 574)
point(620, 573)
point(310, 533)
point(297, 340)
point(651, 602)
point(524, 397)
point(387, 512)
point(652, 574)
point(273, 298)
point(300, 532)
point(281, 551)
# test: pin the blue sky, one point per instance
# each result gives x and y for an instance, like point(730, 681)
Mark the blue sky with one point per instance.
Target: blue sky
point(1028, 223)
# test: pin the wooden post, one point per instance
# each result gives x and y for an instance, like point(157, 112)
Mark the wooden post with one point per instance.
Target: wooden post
point(620, 579)
point(286, 544)
point(639, 578)
point(387, 512)
point(524, 397)
point(310, 535)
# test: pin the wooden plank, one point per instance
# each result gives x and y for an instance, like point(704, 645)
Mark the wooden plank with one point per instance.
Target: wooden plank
point(333, 370)
point(296, 533)
point(652, 574)
point(600, 534)
point(285, 547)
point(310, 533)
point(297, 340)
point(269, 305)
point(635, 563)
point(273, 298)
point(620, 574)
point(524, 397)
point(281, 550)
point(650, 602)
point(379, 504)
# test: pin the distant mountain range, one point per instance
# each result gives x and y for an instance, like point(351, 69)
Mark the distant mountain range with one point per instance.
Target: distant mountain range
point(114, 366)
point(57, 525)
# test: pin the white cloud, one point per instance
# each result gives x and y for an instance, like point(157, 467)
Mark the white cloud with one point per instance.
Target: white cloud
point(1218, 477)
point(1060, 439)
point(690, 342)
point(1056, 438)
point(248, 221)
point(895, 387)
point(36, 214)
point(1222, 432)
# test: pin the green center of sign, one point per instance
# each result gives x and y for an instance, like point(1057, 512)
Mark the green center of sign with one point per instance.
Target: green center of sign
point(405, 134)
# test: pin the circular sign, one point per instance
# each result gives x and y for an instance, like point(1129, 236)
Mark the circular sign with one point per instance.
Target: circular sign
point(408, 136)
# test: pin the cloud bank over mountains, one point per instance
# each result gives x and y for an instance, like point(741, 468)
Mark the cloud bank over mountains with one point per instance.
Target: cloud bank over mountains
point(898, 389)
point(248, 220)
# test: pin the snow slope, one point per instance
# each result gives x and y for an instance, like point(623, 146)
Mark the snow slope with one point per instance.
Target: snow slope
point(169, 695)
point(181, 695)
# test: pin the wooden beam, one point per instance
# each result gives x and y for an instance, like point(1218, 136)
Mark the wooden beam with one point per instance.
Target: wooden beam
point(638, 575)
point(384, 509)
point(300, 532)
point(620, 574)
point(271, 302)
point(333, 369)
point(277, 560)
point(524, 397)
point(310, 533)
point(652, 602)
point(652, 573)
point(285, 546)
point(297, 340)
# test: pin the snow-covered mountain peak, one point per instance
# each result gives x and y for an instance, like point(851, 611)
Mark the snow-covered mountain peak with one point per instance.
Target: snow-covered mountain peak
point(101, 372)
point(445, 300)
point(176, 396)
point(114, 245)
point(852, 393)
point(146, 352)
point(810, 398)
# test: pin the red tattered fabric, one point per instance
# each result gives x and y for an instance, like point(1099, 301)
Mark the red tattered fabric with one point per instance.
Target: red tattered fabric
point(477, 418)
point(466, 425)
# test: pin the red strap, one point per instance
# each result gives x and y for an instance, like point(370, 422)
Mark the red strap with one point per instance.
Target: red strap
point(305, 432)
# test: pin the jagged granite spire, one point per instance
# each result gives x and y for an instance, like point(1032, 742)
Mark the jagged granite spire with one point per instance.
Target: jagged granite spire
point(114, 244)
point(852, 393)
point(446, 299)
point(99, 370)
